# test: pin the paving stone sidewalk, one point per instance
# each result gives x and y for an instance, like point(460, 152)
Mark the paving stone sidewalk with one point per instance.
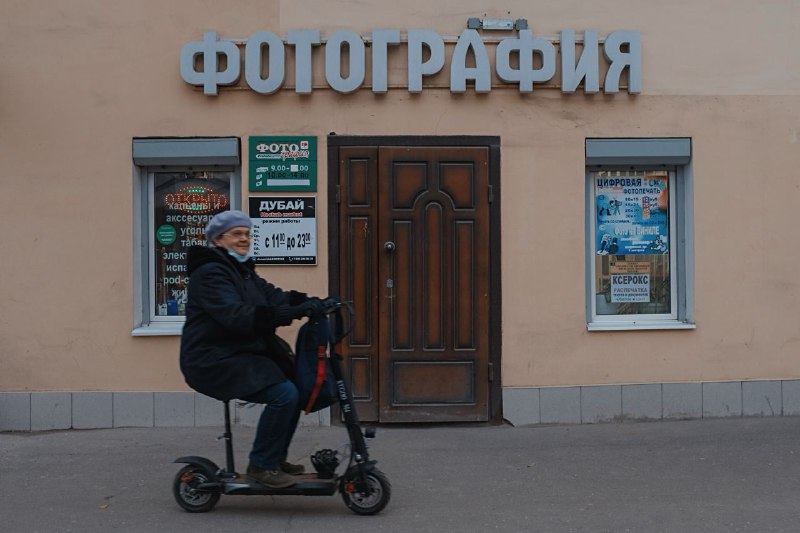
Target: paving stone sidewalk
point(722, 475)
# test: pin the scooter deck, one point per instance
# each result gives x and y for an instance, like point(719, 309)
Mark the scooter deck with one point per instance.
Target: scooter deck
point(307, 485)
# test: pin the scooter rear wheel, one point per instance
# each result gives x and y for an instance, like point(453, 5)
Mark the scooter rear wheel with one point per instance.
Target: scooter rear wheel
point(363, 503)
point(183, 488)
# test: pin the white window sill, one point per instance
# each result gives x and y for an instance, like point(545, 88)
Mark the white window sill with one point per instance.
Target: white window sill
point(158, 329)
point(650, 324)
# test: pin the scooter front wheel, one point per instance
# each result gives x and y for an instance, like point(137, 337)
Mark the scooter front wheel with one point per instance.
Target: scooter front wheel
point(372, 502)
point(186, 494)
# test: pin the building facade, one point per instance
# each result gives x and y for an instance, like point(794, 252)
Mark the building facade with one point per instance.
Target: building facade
point(544, 214)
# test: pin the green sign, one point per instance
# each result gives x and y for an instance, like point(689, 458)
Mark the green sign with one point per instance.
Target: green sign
point(283, 163)
point(166, 234)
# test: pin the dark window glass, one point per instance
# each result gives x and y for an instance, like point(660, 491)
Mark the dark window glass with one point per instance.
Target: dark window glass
point(183, 204)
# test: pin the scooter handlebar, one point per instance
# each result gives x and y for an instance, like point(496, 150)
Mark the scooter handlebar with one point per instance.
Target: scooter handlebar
point(333, 307)
point(331, 304)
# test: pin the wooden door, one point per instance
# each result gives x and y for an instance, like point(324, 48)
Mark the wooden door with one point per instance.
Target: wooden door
point(414, 259)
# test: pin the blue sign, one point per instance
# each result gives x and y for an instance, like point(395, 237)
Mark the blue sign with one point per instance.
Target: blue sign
point(632, 214)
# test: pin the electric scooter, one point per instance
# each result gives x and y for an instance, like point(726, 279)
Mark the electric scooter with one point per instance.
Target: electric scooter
point(365, 489)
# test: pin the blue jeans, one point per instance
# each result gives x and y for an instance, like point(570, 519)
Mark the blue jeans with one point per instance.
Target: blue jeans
point(276, 426)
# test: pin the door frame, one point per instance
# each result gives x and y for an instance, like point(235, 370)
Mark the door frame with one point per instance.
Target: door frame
point(495, 282)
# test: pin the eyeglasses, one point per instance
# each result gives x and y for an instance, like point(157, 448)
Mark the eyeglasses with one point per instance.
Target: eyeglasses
point(238, 234)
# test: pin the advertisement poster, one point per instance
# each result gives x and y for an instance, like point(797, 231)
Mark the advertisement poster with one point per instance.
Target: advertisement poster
point(283, 163)
point(284, 230)
point(632, 214)
point(630, 281)
point(184, 203)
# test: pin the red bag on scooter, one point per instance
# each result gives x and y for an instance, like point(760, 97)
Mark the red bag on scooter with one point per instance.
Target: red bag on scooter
point(313, 374)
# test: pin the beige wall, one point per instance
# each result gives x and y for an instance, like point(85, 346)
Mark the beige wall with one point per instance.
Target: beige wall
point(78, 80)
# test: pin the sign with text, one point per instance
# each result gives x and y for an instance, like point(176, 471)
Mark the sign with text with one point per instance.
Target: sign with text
point(630, 288)
point(283, 163)
point(630, 281)
point(632, 214)
point(284, 230)
point(347, 55)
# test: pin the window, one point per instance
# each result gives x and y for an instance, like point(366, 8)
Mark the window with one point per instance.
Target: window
point(182, 204)
point(639, 246)
point(180, 185)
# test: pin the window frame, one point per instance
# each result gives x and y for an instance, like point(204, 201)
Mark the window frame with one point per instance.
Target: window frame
point(670, 154)
point(158, 155)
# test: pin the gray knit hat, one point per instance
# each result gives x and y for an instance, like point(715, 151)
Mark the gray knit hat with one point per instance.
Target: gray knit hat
point(224, 221)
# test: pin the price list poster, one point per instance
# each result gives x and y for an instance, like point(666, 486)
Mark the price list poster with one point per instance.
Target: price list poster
point(284, 230)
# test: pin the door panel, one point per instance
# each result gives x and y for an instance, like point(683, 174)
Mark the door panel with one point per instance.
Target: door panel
point(433, 360)
point(415, 260)
point(358, 197)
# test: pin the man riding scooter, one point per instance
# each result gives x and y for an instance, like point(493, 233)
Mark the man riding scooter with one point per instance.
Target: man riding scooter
point(229, 349)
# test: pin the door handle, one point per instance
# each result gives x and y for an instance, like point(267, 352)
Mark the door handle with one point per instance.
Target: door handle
point(389, 246)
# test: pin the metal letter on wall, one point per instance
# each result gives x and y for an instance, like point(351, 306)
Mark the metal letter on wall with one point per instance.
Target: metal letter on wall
point(333, 61)
point(381, 39)
point(210, 48)
point(526, 75)
point(303, 40)
point(587, 68)
point(253, 62)
point(619, 60)
point(459, 73)
point(417, 68)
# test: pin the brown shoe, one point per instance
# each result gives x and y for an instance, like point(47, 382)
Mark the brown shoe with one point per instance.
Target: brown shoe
point(294, 470)
point(274, 479)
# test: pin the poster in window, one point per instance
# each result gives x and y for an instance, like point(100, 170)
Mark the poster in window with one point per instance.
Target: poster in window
point(183, 205)
point(629, 281)
point(632, 214)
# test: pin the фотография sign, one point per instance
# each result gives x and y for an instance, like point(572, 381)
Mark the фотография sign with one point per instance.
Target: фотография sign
point(426, 57)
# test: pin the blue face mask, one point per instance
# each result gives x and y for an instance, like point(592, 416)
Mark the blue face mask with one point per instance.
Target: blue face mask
point(239, 257)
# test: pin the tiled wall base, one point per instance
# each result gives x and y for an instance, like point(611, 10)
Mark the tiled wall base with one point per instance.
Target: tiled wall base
point(522, 406)
point(659, 401)
point(40, 411)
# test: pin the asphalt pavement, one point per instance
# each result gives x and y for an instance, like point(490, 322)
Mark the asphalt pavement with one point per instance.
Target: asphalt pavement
point(724, 475)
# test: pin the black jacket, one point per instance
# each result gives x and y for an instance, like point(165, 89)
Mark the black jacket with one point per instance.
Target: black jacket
point(230, 315)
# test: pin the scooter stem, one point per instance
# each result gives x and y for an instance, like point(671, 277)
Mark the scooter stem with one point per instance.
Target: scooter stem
point(228, 439)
